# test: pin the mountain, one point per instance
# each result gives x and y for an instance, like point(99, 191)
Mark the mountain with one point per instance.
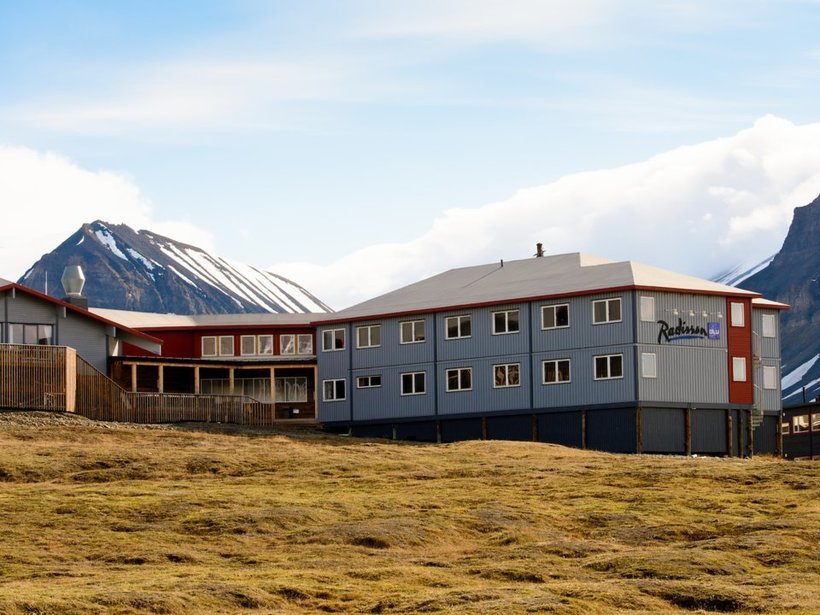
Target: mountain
point(793, 277)
point(144, 271)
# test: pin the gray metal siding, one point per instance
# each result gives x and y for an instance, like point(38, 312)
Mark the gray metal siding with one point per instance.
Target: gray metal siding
point(386, 401)
point(25, 309)
point(333, 365)
point(708, 431)
point(767, 399)
point(663, 430)
point(685, 374)
point(482, 342)
point(484, 397)
point(689, 309)
point(461, 429)
point(611, 430)
point(583, 389)
point(561, 428)
point(509, 427)
point(392, 351)
point(581, 333)
point(87, 337)
point(766, 347)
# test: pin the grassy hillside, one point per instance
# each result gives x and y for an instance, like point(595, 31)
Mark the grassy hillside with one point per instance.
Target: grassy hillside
point(122, 519)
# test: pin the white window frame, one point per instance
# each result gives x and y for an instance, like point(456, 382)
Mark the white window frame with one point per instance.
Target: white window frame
point(224, 338)
point(505, 370)
point(801, 423)
point(260, 345)
point(506, 320)
point(770, 377)
point(283, 382)
point(607, 316)
point(334, 382)
point(242, 340)
point(649, 365)
point(369, 331)
point(768, 325)
point(608, 358)
point(737, 314)
point(459, 373)
point(556, 363)
point(287, 344)
point(304, 343)
point(554, 308)
point(413, 390)
point(460, 319)
point(209, 339)
point(739, 369)
point(373, 381)
point(647, 308)
point(412, 325)
point(331, 334)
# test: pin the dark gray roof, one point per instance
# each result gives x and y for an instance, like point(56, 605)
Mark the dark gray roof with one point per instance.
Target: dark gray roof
point(533, 278)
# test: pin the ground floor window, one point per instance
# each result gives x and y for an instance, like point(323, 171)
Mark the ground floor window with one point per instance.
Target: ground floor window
point(459, 379)
point(413, 383)
point(31, 334)
point(608, 367)
point(507, 375)
point(333, 390)
point(291, 389)
point(368, 382)
point(800, 423)
point(556, 371)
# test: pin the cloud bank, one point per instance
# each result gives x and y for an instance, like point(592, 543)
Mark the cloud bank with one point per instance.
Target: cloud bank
point(45, 197)
point(697, 209)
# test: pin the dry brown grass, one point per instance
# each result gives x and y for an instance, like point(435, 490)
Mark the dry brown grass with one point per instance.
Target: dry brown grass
point(116, 520)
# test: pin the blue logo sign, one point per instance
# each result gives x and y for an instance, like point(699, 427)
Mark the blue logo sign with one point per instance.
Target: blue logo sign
point(714, 330)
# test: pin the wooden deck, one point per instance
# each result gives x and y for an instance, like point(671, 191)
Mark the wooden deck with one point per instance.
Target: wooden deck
point(55, 378)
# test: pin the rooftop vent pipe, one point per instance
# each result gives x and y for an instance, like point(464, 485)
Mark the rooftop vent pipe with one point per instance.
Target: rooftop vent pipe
point(539, 250)
point(73, 281)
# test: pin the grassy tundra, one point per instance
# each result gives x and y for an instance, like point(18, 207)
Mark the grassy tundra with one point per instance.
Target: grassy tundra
point(118, 519)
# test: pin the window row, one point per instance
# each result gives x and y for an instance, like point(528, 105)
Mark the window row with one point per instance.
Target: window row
point(256, 345)
point(459, 327)
point(291, 389)
point(802, 423)
point(31, 334)
point(553, 371)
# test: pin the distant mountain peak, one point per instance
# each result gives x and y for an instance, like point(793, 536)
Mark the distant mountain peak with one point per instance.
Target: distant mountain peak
point(145, 271)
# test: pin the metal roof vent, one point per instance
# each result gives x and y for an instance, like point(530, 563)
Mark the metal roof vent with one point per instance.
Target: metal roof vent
point(73, 281)
point(539, 250)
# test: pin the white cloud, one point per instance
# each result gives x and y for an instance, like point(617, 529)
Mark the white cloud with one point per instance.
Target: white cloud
point(46, 197)
point(697, 209)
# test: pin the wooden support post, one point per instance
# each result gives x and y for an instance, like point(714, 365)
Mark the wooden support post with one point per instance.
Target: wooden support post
point(534, 428)
point(483, 427)
point(750, 434)
point(133, 377)
point(438, 432)
point(394, 431)
point(231, 381)
point(273, 385)
point(729, 451)
point(778, 441)
point(687, 430)
point(583, 429)
point(196, 380)
point(160, 379)
point(638, 436)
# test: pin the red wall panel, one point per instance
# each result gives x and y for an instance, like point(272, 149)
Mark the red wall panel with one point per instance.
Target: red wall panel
point(739, 341)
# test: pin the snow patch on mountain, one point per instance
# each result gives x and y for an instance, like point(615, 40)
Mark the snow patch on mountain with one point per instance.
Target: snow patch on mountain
point(739, 273)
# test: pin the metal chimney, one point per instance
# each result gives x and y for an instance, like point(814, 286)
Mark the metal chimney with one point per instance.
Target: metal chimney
point(539, 250)
point(73, 281)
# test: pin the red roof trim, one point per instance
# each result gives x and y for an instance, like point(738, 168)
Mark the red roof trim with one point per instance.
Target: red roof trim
point(187, 328)
point(74, 308)
point(583, 293)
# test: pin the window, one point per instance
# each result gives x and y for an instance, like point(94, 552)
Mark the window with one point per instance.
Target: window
point(333, 339)
point(800, 424)
point(555, 316)
point(769, 377)
point(294, 389)
point(784, 428)
point(333, 390)
point(815, 422)
point(286, 344)
point(737, 314)
point(609, 367)
point(739, 369)
point(556, 371)
point(247, 344)
point(457, 326)
point(649, 365)
point(265, 343)
point(769, 325)
point(31, 334)
point(507, 375)
point(368, 382)
point(459, 379)
point(305, 343)
point(368, 336)
point(209, 346)
point(413, 383)
point(505, 322)
point(226, 345)
point(647, 309)
point(412, 331)
point(606, 310)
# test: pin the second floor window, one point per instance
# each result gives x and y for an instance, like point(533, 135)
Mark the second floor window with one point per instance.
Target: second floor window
point(333, 339)
point(412, 331)
point(606, 310)
point(368, 336)
point(505, 322)
point(555, 316)
point(458, 326)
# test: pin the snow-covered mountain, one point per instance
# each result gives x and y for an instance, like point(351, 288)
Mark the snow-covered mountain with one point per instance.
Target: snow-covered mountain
point(143, 271)
point(793, 276)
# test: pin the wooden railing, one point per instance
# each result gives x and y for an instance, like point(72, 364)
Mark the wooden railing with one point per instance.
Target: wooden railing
point(42, 378)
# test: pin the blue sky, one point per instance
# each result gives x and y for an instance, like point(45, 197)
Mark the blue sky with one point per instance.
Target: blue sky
point(332, 140)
